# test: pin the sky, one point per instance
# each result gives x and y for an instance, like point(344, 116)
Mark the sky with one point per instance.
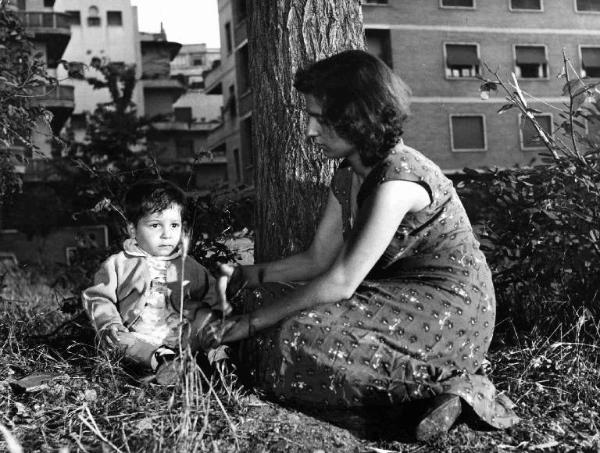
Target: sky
point(185, 21)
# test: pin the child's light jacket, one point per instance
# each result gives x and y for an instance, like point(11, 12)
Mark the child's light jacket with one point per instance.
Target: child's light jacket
point(124, 279)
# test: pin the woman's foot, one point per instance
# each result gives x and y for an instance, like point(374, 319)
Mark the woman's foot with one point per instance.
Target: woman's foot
point(439, 417)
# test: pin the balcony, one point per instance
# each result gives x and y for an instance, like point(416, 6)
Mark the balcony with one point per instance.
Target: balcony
point(60, 100)
point(53, 29)
point(46, 22)
point(183, 126)
point(213, 78)
point(163, 84)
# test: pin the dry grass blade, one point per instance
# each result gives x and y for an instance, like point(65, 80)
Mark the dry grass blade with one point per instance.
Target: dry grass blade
point(12, 444)
point(93, 427)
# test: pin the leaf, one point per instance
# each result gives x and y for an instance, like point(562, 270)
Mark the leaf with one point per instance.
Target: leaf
point(489, 86)
point(534, 111)
point(505, 108)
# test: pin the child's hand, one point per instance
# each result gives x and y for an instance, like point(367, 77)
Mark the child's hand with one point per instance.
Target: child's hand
point(113, 335)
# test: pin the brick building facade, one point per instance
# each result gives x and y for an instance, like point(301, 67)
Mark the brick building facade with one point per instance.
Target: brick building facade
point(439, 47)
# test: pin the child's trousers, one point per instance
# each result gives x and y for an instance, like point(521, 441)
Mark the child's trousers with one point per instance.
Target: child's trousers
point(139, 350)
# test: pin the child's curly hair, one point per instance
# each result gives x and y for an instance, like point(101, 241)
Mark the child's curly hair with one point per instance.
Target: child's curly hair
point(362, 99)
point(151, 195)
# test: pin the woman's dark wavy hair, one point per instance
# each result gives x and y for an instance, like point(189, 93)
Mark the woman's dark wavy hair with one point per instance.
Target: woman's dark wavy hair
point(361, 98)
point(148, 196)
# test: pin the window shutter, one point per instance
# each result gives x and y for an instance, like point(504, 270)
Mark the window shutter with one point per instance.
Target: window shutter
point(530, 55)
point(461, 55)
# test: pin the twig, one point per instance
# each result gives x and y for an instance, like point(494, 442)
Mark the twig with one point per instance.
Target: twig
point(571, 124)
point(95, 430)
point(78, 442)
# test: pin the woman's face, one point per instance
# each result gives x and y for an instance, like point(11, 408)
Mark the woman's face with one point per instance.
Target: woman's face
point(325, 136)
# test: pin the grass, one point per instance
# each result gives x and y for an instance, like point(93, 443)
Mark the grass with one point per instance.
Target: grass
point(93, 404)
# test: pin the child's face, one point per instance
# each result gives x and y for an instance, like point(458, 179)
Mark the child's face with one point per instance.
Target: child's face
point(158, 233)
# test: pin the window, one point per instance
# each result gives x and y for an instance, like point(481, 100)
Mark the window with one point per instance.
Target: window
point(379, 44)
point(231, 102)
point(531, 62)
point(183, 114)
point(244, 70)
point(238, 165)
point(529, 135)
point(184, 148)
point(240, 10)
point(246, 140)
point(376, 2)
point(467, 132)
point(457, 3)
point(590, 61)
point(247, 151)
point(21, 5)
point(197, 61)
point(220, 151)
point(228, 40)
point(462, 60)
point(74, 17)
point(527, 5)
point(93, 19)
point(114, 18)
point(48, 3)
point(587, 5)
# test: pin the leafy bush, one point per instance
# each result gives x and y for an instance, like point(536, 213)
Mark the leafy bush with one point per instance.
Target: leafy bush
point(540, 226)
point(112, 158)
point(22, 74)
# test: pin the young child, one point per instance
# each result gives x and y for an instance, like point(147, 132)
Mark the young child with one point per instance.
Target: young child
point(134, 303)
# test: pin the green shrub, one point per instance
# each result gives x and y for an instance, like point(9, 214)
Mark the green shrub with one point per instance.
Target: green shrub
point(539, 226)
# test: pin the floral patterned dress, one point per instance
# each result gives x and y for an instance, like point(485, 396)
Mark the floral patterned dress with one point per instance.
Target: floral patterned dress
point(419, 325)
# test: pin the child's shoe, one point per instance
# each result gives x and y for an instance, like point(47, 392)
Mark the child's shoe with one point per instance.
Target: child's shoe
point(166, 365)
point(168, 372)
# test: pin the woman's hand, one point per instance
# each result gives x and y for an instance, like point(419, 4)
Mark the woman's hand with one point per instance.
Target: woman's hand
point(230, 281)
point(232, 329)
point(241, 327)
point(245, 326)
point(211, 335)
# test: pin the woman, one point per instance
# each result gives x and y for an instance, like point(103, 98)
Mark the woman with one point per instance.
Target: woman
point(398, 302)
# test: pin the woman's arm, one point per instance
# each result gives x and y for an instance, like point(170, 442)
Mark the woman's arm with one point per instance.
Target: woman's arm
point(306, 265)
point(376, 225)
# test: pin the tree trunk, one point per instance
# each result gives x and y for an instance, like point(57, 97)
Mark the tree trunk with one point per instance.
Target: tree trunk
point(291, 176)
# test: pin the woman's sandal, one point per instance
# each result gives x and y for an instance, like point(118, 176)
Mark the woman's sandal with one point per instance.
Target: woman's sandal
point(439, 417)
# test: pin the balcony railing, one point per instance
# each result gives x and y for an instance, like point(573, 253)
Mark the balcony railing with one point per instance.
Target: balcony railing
point(54, 93)
point(49, 20)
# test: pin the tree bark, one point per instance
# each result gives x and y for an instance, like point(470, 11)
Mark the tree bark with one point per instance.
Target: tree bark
point(291, 176)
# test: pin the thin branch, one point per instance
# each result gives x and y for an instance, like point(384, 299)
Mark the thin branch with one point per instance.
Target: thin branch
point(571, 98)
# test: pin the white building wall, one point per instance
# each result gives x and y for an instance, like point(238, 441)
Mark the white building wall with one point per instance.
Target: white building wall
point(117, 43)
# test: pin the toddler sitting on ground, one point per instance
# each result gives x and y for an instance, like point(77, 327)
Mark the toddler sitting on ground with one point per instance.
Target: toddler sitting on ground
point(135, 301)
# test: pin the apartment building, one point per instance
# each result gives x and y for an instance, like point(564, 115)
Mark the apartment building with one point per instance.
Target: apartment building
point(192, 61)
point(231, 79)
point(106, 30)
point(183, 118)
point(440, 47)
